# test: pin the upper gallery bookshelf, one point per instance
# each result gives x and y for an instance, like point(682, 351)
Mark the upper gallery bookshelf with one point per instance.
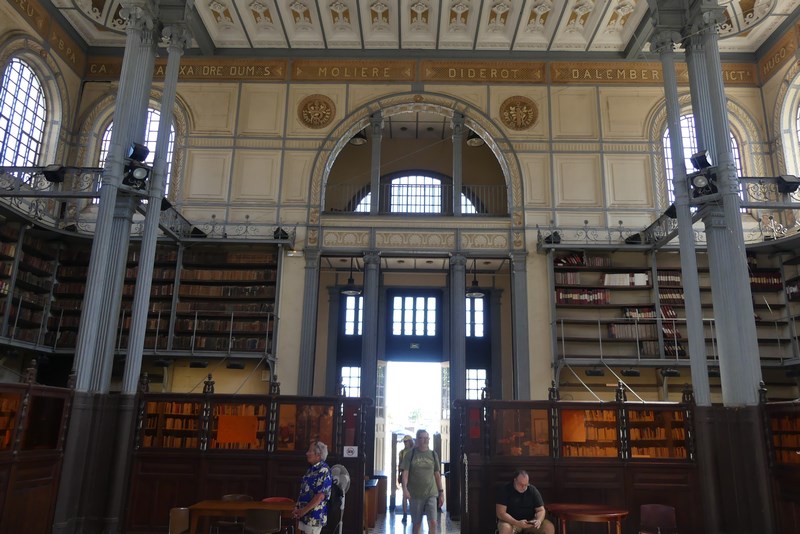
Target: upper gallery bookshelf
point(204, 297)
point(630, 305)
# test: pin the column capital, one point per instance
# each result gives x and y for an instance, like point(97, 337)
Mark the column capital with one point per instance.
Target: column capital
point(376, 122)
point(312, 257)
point(177, 36)
point(664, 40)
point(703, 16)
point(519, 261)
point(372, 257)
point(140, 14)
point(458, 125)
point(458, 260)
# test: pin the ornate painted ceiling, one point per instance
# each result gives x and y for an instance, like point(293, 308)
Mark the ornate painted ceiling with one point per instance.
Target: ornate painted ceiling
point(436, 27)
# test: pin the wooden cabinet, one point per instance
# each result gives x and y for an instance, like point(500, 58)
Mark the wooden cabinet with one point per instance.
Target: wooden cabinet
point(171, 424)
point(656, 432)
point(9, 410)
point(783, 421)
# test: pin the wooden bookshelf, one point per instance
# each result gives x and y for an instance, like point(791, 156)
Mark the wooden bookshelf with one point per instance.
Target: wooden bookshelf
point(783, 420)
point(589, 433)
point(240, 426)
point(9, 410)
point(171, 424)
point(656, 433)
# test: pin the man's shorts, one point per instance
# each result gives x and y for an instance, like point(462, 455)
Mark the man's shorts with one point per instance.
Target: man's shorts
point(529, 530)
point(419, 507)
point(308, 529)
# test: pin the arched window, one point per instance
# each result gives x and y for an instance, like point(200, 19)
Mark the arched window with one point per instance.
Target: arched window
point(23, 111)
point(150, 138)
point(689, 138)
point(417, 194)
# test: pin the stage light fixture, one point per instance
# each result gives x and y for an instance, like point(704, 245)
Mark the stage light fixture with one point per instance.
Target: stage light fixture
point(54, 173)
point(630, 372)
point(198, 364)
point(136, 171)
point(670, 372)
point(595, 372)
point(700, 160)
point(788, 183)
point(235, 365)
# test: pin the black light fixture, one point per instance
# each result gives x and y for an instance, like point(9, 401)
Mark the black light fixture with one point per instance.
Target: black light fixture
point(136, 171)
point(235, 365)
point(793, 372)
point(473, 139)
point(630, 372)
point(713, 373)
point(788, 183)
point(54, 173)
point(351, 290)
point(595, 371)
point(670, 372)
point(700, 160)
point(198, 364)
point(161, 362)
point(359, 139)
point(703, 182)
point(474, 290)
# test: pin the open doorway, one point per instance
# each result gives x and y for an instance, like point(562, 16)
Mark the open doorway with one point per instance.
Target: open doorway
point(414, 393)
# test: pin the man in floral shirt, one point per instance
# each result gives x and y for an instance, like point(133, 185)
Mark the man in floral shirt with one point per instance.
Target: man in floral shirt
point(311, 508)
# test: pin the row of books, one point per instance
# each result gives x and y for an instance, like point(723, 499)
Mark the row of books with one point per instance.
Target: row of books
point(216, 275)
point(626, 279)
point(588, 297)
point(631, 331)
point(658, 452)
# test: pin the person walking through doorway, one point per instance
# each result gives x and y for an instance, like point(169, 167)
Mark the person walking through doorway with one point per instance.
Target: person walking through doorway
point(422, 483)
point(408, 443)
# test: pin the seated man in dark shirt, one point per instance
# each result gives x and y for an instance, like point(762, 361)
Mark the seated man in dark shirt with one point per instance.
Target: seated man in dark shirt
point(519, 508)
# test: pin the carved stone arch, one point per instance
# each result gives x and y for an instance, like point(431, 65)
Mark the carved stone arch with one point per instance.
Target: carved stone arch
point(786, 149)
point(743, 127)
point(444, 105)
point(57, 122)
point(101, 113)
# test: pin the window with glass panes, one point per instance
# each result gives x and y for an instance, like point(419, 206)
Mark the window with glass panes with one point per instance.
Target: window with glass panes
point(150, 139)
point(353, 315)
point(414, 316)
point(476, 381)
point(689, 141)
point(351, 381)
point(416, 194)
point(475, 316)
point(23, 112)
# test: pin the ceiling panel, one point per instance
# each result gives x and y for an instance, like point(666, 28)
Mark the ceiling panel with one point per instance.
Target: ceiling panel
point(571, 26)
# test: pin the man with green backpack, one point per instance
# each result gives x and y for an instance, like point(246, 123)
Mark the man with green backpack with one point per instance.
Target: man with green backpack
point(422, 483)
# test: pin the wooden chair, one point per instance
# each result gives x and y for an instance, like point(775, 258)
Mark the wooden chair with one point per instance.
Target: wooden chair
point(233, 524)
point(178, 521)
point(262, 521)
point(657, 519)
point(286, 517)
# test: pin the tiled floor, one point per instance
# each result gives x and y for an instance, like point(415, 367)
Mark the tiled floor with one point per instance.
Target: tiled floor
point(390, 523)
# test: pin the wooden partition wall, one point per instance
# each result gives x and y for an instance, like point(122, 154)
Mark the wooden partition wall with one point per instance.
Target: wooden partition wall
point(33, 424)
point(195, 447)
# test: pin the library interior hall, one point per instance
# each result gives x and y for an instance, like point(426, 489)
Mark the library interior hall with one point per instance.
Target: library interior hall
point(560, 236)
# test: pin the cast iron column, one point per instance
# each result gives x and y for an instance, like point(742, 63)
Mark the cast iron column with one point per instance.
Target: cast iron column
point(305, 374)
point(376, 129)
point(458, 154)
point(519, 316)
point(369, 348)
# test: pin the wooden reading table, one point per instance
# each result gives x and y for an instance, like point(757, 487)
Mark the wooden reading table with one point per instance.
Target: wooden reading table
point(219, 508)
point(587, 513)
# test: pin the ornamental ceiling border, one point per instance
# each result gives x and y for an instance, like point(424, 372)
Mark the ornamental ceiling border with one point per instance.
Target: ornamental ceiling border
point(445, 105)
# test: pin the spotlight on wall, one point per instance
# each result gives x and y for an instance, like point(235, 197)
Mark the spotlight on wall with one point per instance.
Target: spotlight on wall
point(473, 139)
point(630, 372)
point(595, 372)
point(788, 183)
point(54, 173)
point(351, 290)
point(670, 372)
point(359, 139)
point(234, 365)
point(198, 364)
point(700, 160)
point(161, 362)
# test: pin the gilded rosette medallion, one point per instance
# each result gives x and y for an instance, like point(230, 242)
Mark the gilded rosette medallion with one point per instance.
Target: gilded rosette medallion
point(316, 111)
point(518, 113)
